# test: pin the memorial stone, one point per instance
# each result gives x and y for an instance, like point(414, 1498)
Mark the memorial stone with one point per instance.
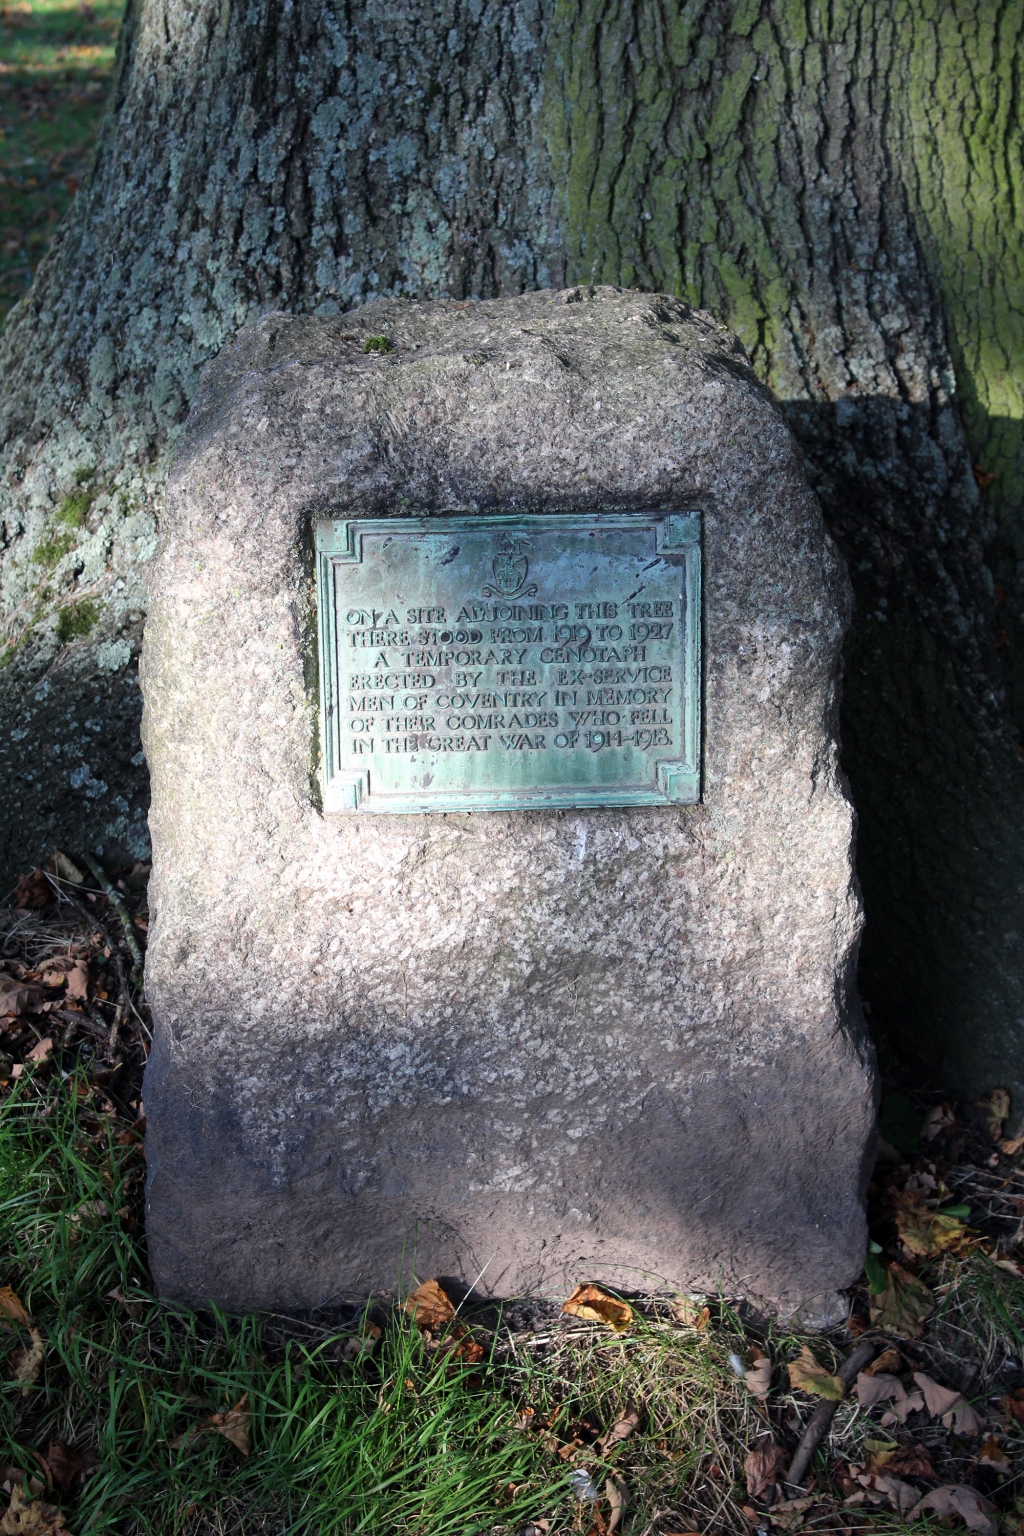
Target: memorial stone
point(504, 919)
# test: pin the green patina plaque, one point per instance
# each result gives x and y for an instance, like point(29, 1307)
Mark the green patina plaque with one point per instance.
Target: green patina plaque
point(500, 663)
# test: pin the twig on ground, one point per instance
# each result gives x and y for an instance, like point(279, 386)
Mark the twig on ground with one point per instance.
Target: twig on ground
point(116, 901)
point(823, 1415)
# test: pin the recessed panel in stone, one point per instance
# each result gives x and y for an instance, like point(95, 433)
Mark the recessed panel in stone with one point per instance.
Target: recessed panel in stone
point(498, 663)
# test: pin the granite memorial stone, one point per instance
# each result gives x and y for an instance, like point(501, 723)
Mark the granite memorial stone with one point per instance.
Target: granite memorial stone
point(503, 909)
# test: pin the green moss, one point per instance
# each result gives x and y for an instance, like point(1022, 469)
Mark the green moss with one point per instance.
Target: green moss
point(84, 474)
point(53, 549)
point(76, 620)
point(377, 344)
point(74, 509)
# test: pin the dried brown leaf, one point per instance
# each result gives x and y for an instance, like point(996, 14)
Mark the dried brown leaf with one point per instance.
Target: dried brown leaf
point(806, 1374)
point(902, 1496)
point(233, 1424)
point(17, 997)
point(1013, 1406)
point(33, 891)
point(955, 1499)
point(429, 1306)
point(27, 1363)
point(356, 1348)
point(903, 1305)
point(29, 1517)
point(594, 1305)
point(68, 1466)
point(939, 1119)
point(991, 1454)
point(762, 1465)
point(78, 983)
point(939, 1400)
point(617, 1494)
point(41, 1051)
point(691, 1313)
point(11, 1306)
point(620, 1430)
point(911, 1461)
point(759, 1373)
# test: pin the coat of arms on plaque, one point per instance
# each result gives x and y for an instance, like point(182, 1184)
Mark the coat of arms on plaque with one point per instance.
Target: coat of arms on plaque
point(510, 566)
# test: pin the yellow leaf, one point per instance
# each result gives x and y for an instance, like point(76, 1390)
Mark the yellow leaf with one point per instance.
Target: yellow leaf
point(27, 1517)
point(926, 1232)
point(807, 1375)
point(596, 1306)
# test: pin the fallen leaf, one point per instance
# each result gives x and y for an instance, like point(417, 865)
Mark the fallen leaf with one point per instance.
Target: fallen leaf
point(1013, 1406)
point(620, 1430)
point(911, 1461)
point(955, 1499)
point(991, 1454)
point(40, 1052)
point(467, 1349)
point(939, 1400)
point(27, 1517)
point(878, 1389)
point(995, 1108)
point(941, 1118)
point(923, 1231)
point(17, 997)
point(690, 1312)
point(1011, 1148)
point(429, 1306)
point(78, 983)
point(68, 1466)
point(759, 1373)
point(12, 1307)
point(233, 1424)
point(807, 1375)
point(362, 1344)
point(762, 1465)
point(790, 1512)
point(64, 869)
point(954, 1410)
point(617, 1494)
point(902, 1496)
point(90, 1213)
point(594, 1305)
point(904, 1304)
point(889, 1360)
point(27, 1363)
point(33, 891)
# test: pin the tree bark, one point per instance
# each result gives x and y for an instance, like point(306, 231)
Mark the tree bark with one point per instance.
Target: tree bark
point(838, 183)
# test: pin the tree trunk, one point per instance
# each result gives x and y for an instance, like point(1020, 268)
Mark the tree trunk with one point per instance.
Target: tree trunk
point(838, 183)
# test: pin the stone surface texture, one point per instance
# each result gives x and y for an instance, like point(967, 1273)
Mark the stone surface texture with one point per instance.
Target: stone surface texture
point(517, 1049)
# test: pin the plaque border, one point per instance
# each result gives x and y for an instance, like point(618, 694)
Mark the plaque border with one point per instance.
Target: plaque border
point(339, 541)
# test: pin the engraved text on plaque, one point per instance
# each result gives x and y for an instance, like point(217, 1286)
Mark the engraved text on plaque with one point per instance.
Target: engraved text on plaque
point(499, 663)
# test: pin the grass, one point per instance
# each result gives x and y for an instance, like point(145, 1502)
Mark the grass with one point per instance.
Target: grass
point(364, 1422)
point(56, 64)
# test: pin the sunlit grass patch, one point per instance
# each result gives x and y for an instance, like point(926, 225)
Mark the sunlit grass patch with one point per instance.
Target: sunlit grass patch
point(56, 63)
